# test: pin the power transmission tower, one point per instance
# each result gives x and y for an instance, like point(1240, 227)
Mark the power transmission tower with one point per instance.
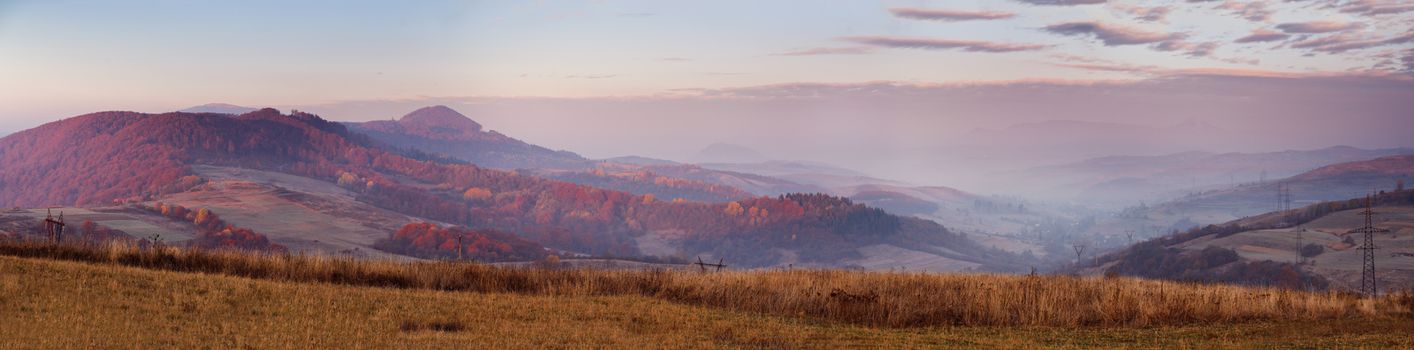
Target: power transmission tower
point(1368, 285)
point(1286, 197)
point(1079, 251)
point(55, 227)
point(1283, 197)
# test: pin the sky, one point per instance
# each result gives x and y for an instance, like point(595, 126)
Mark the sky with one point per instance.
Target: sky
point(941, 83)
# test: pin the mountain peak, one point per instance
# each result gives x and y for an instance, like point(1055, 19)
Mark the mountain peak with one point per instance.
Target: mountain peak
point(441, 120)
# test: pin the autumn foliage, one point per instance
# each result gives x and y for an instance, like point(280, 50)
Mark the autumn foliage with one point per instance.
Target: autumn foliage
point(213, 232)
point(642, 181)
point(427, 240)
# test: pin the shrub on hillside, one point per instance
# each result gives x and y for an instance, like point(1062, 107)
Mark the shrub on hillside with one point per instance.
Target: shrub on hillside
point(1311, 250)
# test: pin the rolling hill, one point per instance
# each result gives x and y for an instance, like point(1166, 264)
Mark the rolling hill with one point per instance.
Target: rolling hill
point(266, 159)
point(1331, 182)
point(1313, 247)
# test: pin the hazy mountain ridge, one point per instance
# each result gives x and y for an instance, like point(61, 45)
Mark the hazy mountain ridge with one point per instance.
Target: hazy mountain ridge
point(441, 130)
point(1128, 180)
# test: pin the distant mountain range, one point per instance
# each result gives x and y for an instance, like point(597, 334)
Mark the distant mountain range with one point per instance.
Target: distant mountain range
point(782, 168)
point(729, 153)
point(1060, 141)
point(1129, 180)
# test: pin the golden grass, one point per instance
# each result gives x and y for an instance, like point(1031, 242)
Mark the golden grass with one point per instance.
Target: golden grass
point(57, 304)
point(863, 298)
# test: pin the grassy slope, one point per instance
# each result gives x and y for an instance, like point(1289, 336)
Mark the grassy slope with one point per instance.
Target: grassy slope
point(46, 303)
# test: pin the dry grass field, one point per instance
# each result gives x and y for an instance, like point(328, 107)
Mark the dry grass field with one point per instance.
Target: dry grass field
point(119, 296)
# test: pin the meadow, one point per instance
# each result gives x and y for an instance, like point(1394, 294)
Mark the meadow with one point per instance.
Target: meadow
point(114, 294)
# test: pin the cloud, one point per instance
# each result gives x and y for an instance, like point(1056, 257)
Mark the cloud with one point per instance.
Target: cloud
point(1345, 42)
point(674, 59)
point(1110, 35)
point(816, 51)
point(1147, 14)
point(948, 15)
point(1110, 67)
point(942, 44)
point(1263, 35)
point(1376, 7)
point(1203, 49)
point(1096, 64)
point(1408, 60)
point(1114, 35)
point(1318, 27)
point(1251, 10)
point(1062, 2)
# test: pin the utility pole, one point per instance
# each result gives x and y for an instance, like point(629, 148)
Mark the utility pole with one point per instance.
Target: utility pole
point(460, 247)
point(1368, 285)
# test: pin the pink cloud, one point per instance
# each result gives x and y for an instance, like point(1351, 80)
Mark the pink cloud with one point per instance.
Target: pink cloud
point(948, 15)
point(1263, 35)
point(1251, 10)
point(1318, 27)
point(1345, 42)
point(1376, 7)
point(1109, 34)
point(814, 51)
point(1147, 14)
point(942, 44)
point(1062, 2)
